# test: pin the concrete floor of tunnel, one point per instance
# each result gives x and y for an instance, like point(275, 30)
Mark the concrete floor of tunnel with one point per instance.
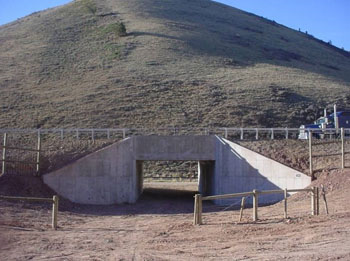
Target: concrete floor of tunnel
point(175, 190)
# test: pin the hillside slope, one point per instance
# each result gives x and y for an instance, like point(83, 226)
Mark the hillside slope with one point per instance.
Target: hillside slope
point(182, 63)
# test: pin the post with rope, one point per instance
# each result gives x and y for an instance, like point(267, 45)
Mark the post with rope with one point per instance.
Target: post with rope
point(54, 211)
point(38, 154)
point(317, 201)
point(255, 205)
point(323, 193)
point(272, 134)
point(4, 155)
point(285, 204)
point(342, 135)
point(200, 209)
point(197, 209)
point(242, 208)
point(313, 201)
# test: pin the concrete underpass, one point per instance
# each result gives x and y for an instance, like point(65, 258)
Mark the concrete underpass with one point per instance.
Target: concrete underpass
point(115, 174)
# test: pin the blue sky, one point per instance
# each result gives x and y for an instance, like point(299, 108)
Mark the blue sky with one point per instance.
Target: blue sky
point(324, 19)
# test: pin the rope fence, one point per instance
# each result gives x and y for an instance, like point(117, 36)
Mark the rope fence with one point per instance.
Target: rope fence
point(315, 205)
point(54, 200)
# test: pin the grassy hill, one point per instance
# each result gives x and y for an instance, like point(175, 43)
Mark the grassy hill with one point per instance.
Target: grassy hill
point(182, 63)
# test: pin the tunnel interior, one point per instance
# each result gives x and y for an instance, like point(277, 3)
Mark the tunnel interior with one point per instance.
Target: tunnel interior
point(174, 178)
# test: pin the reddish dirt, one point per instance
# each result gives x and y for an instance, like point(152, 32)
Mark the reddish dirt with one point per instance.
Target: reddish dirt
point(159, 227)
point(295, 153)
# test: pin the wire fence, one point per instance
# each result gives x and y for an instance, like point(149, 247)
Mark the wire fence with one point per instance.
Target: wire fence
point(61, 146)
point(230, 133)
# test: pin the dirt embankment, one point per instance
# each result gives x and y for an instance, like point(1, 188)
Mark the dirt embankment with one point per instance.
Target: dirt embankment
point(295, 153)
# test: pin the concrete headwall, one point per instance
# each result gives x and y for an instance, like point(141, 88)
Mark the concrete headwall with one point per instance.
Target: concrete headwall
point(174, 148)
point(114, 174)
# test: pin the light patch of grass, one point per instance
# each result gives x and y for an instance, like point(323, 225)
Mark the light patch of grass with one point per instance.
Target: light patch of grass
point(90, 6)
point(113, 50)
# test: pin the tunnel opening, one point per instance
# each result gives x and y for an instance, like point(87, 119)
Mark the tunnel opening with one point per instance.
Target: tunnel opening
point(174, 179)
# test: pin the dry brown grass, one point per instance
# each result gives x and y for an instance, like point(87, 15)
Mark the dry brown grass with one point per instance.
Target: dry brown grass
point(183, 63)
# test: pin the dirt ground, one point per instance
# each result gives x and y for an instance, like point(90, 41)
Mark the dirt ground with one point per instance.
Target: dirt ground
point(295, 153)
point(159, 227)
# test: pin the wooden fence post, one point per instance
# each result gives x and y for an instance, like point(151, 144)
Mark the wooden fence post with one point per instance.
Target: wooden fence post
point(272, 134)
point(285, 203)
point(54, 212)
point(255, 205)
point(310, 155)
point(317, 201)
point(198, 209)
point(342, 134)
point(242, 208)
point(4, 154)
point(313, 201)
point(38, 154)
point(323, 192)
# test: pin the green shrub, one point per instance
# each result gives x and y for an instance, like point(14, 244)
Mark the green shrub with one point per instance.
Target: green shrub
point(118, 29)
point(122, 29)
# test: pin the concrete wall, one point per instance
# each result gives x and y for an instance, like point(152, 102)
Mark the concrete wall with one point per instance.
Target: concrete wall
point(174, 148)
point(238, 169)
point(107, 176)
point(114, 174)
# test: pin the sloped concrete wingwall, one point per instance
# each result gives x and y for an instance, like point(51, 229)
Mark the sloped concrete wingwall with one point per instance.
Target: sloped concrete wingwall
point(104, 177)
point(238, 169)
